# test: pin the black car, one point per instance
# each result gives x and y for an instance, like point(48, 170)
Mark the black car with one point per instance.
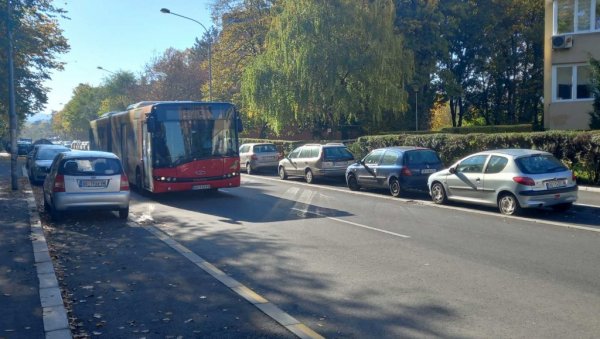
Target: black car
point(396, 168)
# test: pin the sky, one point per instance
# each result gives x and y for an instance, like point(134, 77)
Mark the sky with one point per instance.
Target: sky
point(119, 35)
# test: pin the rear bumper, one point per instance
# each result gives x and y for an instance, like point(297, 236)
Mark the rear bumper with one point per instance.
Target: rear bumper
point(530, 199)
point(331, 172)
point(264, 164)
point(82, 201)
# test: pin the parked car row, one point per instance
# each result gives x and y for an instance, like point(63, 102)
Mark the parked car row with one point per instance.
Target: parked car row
point(79, 180)
point(510, 179)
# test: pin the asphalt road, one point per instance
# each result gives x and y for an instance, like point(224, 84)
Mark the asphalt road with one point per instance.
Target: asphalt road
point(368, 265)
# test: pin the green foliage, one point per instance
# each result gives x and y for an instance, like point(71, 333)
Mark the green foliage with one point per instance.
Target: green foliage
point(579, 150)
point(38, 42)
point(329, 62)
point(595, 113)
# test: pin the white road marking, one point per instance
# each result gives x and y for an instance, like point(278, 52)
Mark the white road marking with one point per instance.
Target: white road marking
point(431, 204)
point(351, 223)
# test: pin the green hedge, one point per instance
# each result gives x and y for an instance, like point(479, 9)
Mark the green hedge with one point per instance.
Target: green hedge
point(489, 129)
point(579, 150)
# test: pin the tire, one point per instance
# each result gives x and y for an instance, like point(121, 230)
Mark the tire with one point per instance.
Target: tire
point(54, 214)
point(438, 194)
point(309, 177)
point(282, 174)
point(395, 189)
point(249, 169)
point(353, 183)
point(124, 213)
point(562, 207)
point(508, 204)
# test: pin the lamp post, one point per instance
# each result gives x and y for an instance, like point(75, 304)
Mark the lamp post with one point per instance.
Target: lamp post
point(12, 113)
point(416, 89)
point(104, 69)
point(167, 11)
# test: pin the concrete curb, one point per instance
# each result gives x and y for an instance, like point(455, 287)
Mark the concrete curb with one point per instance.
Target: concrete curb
point(54, 313)
point(589, 189)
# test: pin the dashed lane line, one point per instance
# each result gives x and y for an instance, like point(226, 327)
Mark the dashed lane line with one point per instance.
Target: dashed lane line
point(431, 204)
point(264, 305)
point(351, 223)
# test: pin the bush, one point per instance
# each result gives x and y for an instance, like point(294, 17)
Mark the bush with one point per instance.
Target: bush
point(579, 150)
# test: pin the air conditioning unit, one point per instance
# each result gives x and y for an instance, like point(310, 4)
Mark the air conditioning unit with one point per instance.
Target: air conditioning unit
point(562, 41)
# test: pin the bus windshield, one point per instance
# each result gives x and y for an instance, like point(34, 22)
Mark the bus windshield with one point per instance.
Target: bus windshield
point(176, 142)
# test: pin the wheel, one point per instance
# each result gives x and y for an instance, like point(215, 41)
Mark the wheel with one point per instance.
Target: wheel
point(438, 193)
point(282, 174)
point(123, 213)
point(508, 204)
point(353, 183)
point(54, 214)
point(562, 207)
point(308, 176)
point(395, 187)
point(249, 168)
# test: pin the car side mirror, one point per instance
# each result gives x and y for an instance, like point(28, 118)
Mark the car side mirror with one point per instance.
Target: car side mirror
point(452, 170)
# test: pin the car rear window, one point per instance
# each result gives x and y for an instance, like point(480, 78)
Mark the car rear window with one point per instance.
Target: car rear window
point(265, 148)
point(337, 153)
point(49, 154)
point(540, 163)
point(422, 157)
point(90, 166)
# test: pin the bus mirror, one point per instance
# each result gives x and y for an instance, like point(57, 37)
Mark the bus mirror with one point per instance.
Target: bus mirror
point(151, 125)
point(240, 126)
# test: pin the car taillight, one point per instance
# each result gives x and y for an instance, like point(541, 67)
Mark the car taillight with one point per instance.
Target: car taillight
point(59, 183)
point(524, 181)
point(406, 172)
point(124, 182)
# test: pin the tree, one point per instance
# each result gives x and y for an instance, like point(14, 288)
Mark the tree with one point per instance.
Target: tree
point(329, 62)
point(38, 41)
point(76, 115)
point(595, 113)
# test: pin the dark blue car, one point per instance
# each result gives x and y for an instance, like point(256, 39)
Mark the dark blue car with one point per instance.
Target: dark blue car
point(396, 168)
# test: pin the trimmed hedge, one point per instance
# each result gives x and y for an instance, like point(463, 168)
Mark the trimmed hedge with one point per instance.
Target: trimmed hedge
point(579, 150)
point(489, 129)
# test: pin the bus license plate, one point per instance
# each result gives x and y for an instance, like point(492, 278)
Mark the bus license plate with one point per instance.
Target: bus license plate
point(201, 187)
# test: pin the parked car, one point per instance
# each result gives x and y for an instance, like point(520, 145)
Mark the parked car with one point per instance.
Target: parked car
point(511, 179)
point(314, 160)
point(259, 156)
point(81, 180)
point(41, 159)
point(24, 147)
point(396, 168)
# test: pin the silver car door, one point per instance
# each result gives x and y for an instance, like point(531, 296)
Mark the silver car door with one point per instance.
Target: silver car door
point(467, 181)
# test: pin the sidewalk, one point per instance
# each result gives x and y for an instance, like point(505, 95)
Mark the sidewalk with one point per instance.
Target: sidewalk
point(31, 305)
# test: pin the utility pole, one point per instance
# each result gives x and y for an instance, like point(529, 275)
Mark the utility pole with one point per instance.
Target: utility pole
point(11, 103)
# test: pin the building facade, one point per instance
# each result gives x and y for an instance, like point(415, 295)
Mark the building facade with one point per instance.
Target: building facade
point(571, 38)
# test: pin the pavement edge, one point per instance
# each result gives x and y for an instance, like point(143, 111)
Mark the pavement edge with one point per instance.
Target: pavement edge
point(54, 313)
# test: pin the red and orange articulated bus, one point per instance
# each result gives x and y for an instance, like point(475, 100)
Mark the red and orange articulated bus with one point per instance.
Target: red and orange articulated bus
point(171, 146)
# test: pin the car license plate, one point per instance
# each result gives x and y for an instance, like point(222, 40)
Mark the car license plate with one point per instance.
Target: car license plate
point(93, 183)
point(428, 171)
point(201, 187)
point(555, 184)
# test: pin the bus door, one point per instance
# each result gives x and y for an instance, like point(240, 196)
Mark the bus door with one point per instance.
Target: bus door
point(124, 149)
point(146, 158)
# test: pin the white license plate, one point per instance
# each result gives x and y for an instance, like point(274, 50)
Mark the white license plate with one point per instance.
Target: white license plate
point(555, 184)
point(428, 171)
point(201, 187)
point(93, 183)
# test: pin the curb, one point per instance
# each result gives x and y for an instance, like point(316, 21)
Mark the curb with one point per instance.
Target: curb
point(589, 189)
point(54, 313)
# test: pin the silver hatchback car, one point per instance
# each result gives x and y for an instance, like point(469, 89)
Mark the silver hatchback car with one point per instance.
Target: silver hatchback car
point(511, 179)
point(316, 161)
point(81, 180)
point(259, 156)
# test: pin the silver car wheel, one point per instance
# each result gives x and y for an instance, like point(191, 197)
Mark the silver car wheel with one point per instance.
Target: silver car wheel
point(282, 174)
point(308, 176)
point(508, 204)
point(438, 194)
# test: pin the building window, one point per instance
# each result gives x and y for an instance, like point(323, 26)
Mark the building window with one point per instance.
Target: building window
point(564, 79)
point(572, 16)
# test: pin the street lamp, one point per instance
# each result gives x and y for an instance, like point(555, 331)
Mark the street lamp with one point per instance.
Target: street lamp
point(416, 89)
point(104, 69)
point(167, 11)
